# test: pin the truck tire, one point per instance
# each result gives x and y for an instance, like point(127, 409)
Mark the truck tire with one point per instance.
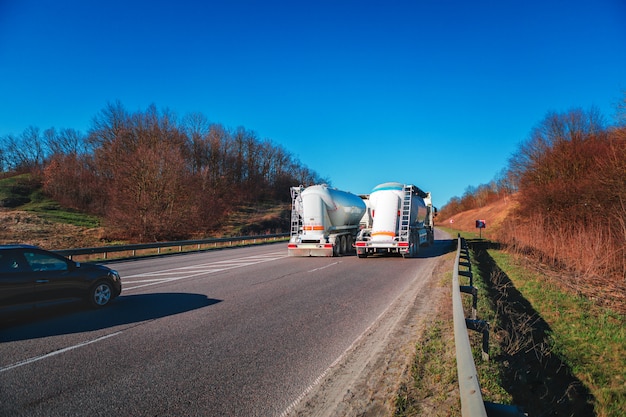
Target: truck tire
point(343, 249)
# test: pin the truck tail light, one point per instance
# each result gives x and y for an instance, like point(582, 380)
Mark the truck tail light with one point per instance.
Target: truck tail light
point(360, 244)
point(403, 244)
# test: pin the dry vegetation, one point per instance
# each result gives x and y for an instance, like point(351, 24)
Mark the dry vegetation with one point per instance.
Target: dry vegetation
point(18, 226)
point(150, 177)
point(561, 204)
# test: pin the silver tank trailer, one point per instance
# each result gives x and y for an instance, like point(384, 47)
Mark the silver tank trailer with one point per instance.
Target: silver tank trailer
point(385, 202)
point(330, 218)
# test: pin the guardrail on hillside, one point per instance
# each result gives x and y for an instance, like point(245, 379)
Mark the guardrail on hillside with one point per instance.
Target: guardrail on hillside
point(472, 404)
point(198, 244)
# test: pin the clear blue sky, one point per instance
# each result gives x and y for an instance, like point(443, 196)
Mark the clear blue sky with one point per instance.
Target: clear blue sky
point(431, 92)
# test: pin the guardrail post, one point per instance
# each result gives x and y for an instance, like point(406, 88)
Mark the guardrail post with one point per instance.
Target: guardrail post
point(468, 289)
point(482, 327)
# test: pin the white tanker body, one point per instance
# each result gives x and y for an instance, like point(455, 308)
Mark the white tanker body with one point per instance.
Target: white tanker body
point(324, 221)
point(400, 220)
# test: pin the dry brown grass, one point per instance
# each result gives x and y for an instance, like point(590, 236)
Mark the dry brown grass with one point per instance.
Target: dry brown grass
point(18, 226)
point(575, 259)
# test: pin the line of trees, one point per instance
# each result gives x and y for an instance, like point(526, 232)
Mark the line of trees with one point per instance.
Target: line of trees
point(569, 180)
point(152, 177)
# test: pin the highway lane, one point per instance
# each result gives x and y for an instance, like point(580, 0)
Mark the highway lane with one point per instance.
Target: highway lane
point(237, 332)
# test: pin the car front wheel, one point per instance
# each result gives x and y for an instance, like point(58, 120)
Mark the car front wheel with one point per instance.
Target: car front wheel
point(100, 294)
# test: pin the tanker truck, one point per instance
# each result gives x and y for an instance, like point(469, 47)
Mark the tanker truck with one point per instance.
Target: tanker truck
point(399, 219)
point(324, 221)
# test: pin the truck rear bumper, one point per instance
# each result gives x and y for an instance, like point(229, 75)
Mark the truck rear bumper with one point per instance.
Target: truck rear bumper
point(381, 249)
point(372, 248)
point(310, 249)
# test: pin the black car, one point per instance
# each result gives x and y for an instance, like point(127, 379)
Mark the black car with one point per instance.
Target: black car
point(30, 276)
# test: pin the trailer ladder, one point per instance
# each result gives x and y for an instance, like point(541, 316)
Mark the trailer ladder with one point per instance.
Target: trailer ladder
point(405, 213)
point(296, 207)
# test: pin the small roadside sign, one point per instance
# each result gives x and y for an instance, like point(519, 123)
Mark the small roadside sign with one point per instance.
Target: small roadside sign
point(480, 225)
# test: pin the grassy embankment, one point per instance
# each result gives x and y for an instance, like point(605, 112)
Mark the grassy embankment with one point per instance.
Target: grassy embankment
point(590, 339)
point(550, 349)
point(35, 219)
point(28, 197)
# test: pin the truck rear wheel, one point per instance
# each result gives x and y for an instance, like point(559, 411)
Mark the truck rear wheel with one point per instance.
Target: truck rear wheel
point(349, 247)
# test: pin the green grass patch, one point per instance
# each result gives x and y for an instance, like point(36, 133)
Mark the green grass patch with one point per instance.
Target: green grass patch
point(589, 338)
point(52, 211)
point(25, 191)
point(433, 389)
point(489, 374)
point(454, 233)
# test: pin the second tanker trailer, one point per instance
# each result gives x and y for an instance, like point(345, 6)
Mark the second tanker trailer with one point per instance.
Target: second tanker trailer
point(324, 221)
point(399, 219)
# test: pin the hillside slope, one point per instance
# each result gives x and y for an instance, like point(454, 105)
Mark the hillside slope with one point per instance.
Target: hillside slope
point(493, 214)
point(22, 226)
point(19, 226)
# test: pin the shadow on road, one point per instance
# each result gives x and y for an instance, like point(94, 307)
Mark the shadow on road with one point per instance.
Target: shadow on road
point(438, 248)
point(75, 318)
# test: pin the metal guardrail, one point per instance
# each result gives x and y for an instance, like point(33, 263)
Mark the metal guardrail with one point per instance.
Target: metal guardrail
point(472, 404)
point(132, 249)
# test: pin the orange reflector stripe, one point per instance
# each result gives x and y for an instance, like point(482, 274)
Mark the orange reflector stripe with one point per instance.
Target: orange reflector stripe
point(313, 227)
point(392, 234)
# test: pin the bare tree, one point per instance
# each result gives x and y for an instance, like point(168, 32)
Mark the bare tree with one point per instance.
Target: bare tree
point(26, 152)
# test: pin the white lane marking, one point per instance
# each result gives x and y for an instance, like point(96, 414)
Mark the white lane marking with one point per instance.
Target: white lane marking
point(166, 275)
point(222, 265)
point(56, 352)
point(323, 267)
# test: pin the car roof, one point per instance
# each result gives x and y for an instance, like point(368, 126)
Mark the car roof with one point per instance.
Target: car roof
point(18, 246)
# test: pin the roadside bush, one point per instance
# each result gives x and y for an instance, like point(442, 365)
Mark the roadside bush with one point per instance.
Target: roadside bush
point(572, 198)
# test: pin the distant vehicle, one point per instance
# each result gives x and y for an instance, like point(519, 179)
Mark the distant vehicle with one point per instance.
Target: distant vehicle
point(30, 276)
point(399, 219)
point(324, 221)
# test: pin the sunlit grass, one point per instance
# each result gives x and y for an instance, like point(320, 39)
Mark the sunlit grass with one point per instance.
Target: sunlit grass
point(589, 338)
point(24, 186)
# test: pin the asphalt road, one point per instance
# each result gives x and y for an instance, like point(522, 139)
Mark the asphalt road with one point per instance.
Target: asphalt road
point(234, 332)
